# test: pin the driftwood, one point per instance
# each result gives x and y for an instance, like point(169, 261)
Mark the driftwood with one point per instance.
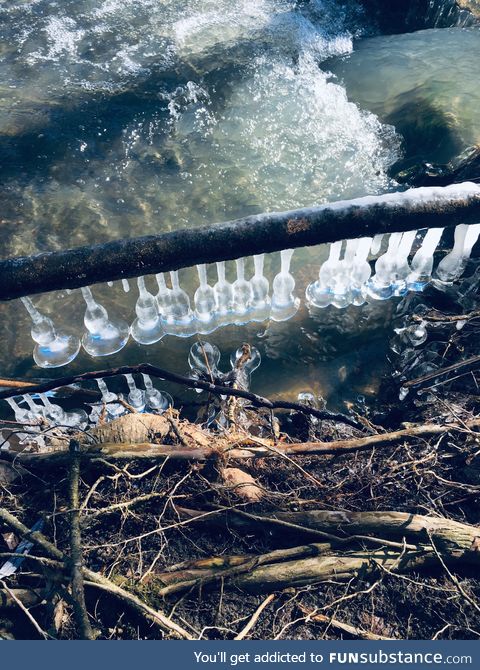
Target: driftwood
point(430, 207)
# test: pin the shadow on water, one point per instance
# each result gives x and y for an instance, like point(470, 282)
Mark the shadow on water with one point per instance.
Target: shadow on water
point(428, 134)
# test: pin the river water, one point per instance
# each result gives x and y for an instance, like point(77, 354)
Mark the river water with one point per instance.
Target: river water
point(127, 117)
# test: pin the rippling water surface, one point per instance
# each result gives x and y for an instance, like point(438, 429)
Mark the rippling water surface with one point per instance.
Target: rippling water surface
point(128, 117)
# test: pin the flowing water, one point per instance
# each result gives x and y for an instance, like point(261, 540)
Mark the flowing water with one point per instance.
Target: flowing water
point(424, 83)
point(127, 117)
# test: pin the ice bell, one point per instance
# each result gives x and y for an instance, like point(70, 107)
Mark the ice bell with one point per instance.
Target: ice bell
point(147, 327)
point(77, 418)
point(342, 279)
point(104, 335)
point(178, 317)
point(261, 302)
point(381, 285)
point(453, 265)
point(21, 413)
point(53, 348)
point(245, 360)
point(251, 362)
point(136, 397)
point(223, 291)
point(242, 294)
point(205, 305)
point(320, 293)
point(284, 303)
point(203, 359)
point(155, 400)
point(113, 408)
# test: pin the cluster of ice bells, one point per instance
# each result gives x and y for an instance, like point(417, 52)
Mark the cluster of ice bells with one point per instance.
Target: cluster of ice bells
point(345, 278)
point(111, 406)
point(38, 411)
point(170, 312)
point(204, 361)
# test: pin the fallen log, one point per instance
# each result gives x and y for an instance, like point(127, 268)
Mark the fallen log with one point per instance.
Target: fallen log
point(240, 447)
point(341, 528)
point(429, 207)
point(314, 563)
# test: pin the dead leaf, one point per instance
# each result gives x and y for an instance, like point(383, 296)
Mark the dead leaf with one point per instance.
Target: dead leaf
point(243, 484)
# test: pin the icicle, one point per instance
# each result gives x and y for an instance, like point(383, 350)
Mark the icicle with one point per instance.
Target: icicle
point(376, 244)
point(284, 303)
point(205, 306)
point(104, 336)
point(402, 268)
point(36, 412)
point(471, 238)
point(53, 348)
point(147, 327)
point(4, 441)
point(320, 293)
point(125, 285)
point(164, 295)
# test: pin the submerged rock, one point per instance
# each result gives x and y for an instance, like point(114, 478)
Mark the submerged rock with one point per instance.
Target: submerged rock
point(465, 167)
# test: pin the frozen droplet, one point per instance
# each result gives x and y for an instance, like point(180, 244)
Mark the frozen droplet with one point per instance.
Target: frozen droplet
point(403, 393)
